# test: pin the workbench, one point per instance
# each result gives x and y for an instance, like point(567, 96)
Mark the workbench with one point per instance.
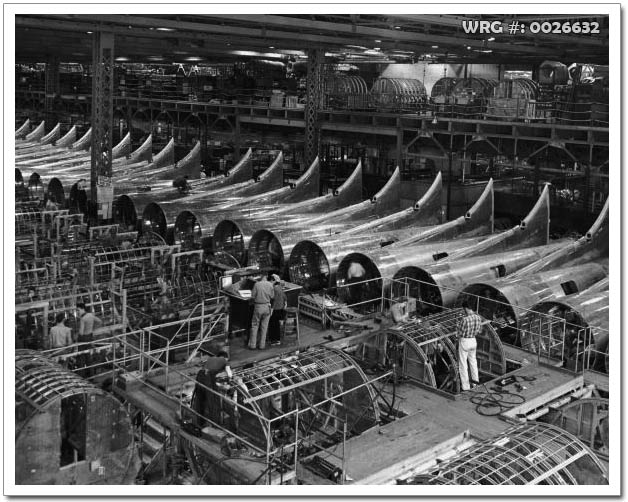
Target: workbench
point(241, 309)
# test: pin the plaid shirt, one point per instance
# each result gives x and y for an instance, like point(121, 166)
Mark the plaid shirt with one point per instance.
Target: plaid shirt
point(470, 326)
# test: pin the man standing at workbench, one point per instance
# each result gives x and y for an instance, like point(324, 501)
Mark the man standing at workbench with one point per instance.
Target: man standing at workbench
point(262, 295)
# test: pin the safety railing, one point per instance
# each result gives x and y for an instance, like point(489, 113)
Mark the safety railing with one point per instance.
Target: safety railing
point(592, 113)
point(279, 457)
point(548, 337)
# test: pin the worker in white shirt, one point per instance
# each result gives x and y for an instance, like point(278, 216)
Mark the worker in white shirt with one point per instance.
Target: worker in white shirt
point(60, 334)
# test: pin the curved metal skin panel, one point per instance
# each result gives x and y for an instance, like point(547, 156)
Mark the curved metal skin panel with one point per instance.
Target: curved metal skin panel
point(350, 192)
point(270, 179)
point(502, 299)
point(477, 221)
point(37, 133)
point(123, 148)
point(304, 189)
point(143, 152)
point(54, 160)
point(203, 212)
point(23, 129)
point(50, 401)
point(562, 459)
point(84, 142)
point(36, 151)
point(165, 157)
point(135, 202)
point(532, 231)
point(593, 245)
point(52, 136)
point(162, 162)
point(426, 211)
point(235, 237)
point(586, 311)
point(383, 263)
point(384, 202)
point(274, 246)
point(55, 192)
point(190, 165)
point(599, 286)
point(68, 139)
point(441, 282)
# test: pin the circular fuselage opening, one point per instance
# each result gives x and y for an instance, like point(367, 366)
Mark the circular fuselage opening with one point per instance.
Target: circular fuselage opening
point(124, 213)
point(154, 220)
point(228, 238)
point(417, 283)
point(308, 266)
point(265, 251)
point(187, 231)
point(354, 280)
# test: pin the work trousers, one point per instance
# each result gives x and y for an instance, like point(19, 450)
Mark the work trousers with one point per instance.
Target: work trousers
point(261, 316)
point(274, 328)
point(466, 352)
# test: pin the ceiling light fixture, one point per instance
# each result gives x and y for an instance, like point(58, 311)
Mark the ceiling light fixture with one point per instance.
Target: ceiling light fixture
point(492, 39)
point(377, 41)
point(397, 27)
point(165, 29)
point(89, 32)
point(434, 46)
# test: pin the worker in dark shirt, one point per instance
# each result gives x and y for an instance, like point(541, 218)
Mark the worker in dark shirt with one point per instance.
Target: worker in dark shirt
point(279, 311)
point(181, 184)
point(204, 402)
point(78, 197)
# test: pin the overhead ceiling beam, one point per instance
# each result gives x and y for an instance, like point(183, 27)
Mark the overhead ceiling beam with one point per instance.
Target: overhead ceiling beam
point(357, 30)
point(258, 31)
point(289, 41)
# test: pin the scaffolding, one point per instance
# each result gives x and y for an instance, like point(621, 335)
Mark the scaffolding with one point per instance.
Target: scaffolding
point(282, 412)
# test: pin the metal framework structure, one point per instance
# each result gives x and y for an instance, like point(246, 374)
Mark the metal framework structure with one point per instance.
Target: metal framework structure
point(424, 350)
point(314, 95)
point(588, 419)
point(529, 454)
point(68, 431)
point(52, 87)
point(102, 122)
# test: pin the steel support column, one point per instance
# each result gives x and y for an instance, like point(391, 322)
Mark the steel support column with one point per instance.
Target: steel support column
point(236, 140)
point(101, 193)
point(52, 89)
point(315, 59)
point(399, 150)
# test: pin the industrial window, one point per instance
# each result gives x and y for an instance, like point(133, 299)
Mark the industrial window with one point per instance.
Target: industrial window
point(73, 429)
point(569, 287)
point(500, 270)
point(440, 256)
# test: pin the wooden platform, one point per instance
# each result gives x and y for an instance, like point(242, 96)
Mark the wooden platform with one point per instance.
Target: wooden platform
point(439, 423)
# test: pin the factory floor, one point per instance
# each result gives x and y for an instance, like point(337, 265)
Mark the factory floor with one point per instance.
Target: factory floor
point(310, 334)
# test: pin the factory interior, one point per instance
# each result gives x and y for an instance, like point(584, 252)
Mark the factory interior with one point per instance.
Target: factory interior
point(254, 249)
